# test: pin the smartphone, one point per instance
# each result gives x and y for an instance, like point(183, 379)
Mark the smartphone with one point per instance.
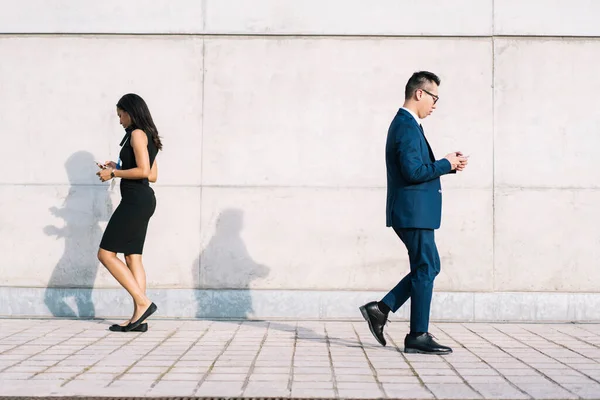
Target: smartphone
point(100, 165)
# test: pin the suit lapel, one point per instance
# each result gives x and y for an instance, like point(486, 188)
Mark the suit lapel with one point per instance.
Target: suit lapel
point(431, 156)
point(427, 142)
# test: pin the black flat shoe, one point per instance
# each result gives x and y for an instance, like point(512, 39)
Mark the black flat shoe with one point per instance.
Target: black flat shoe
point(376, 319)
point(120, 328)
point(132, 325)
point(424, 344)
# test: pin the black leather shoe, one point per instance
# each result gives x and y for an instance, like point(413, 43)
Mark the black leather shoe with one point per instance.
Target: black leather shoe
point(376, 319)
point(424, 344)
point(149, 311)
point(120, 328)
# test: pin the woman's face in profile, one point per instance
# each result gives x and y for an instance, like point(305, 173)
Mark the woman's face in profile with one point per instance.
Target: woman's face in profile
point(124, 118)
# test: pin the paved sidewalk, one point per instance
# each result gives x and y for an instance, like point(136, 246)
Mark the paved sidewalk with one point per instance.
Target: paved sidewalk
point(298, 359)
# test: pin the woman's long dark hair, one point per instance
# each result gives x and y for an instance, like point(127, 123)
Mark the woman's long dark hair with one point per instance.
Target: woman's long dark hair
point(137, 109)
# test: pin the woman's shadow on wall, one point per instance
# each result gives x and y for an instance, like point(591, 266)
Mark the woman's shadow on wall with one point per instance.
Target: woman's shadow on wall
point(226, 265)
point(83, 209)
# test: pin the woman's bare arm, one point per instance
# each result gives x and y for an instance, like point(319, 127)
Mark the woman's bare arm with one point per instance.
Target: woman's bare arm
point(153, 172)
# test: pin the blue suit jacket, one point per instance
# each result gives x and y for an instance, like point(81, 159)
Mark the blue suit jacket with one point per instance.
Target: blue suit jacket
point(414, 192)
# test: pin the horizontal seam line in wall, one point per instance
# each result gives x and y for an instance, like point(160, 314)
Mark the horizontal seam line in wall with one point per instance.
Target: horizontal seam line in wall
point(468, 292)
point(259, 186)
point(547, 187)
point(243, 186)
point(292, 35)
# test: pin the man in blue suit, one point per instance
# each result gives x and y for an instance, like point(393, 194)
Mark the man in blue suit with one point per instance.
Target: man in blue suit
point(414, 211)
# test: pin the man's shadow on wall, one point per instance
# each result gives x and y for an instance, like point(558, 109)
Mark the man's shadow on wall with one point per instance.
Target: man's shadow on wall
point(225, 263)
point(82, 211)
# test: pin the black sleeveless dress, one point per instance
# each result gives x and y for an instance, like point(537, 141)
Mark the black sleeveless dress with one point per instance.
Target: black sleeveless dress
point(126, 230)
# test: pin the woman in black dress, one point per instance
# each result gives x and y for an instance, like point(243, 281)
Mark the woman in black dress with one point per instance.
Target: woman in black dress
point(126, 230)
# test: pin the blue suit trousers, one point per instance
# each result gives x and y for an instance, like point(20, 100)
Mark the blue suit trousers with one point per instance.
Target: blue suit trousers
point(418, 284)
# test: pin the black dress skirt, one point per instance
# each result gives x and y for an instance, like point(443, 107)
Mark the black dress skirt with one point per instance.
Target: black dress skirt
point(126, 230)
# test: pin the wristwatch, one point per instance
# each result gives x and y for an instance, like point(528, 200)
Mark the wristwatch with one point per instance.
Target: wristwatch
point(112, 173)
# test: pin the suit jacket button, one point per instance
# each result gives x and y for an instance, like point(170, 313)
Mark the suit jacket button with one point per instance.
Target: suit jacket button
point(440, 191)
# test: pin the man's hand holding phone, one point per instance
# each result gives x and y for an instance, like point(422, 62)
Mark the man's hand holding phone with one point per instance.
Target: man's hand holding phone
point(457, 160)
point(463, 161)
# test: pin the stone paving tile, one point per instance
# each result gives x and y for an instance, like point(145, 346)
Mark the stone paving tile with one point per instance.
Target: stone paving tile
point(395, 372)
point(435, 372)
point(353, 371)
point(546, 391)
point(490, 390)
point(138, 377)
point(441, 379)
point(221, 389)
point(313, 393)
point(357, 386)
point(528, 379)
point(453, 391)
point(367, 393)
point(198, 370)
point(257, 369)
point(72, 369)
point(226, 377)
point(297, 359)
point(313, 378)
point(398, 379)
point(484, 379)
point(4, 376)
point(252, 391)
point(407, 391)
point(54, 376)
point(269, 377)
point(173, 388)
point(125, 389)
point(26, 368)
point(517, 371)
point(587, 391)
point(96, 377)
point(355, 378)
point(182, 377)
point(311, 385)
point(133, 370)
point(32, 388)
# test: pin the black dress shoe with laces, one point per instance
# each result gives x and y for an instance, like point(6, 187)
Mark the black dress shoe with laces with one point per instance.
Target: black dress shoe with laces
point(376, 319)
point(424, 344)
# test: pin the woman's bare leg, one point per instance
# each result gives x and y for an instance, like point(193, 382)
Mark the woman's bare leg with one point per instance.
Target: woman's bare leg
point(126, 278)
point(134, 263)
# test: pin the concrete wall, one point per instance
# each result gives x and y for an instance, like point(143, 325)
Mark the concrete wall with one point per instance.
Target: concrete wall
point(274, 113)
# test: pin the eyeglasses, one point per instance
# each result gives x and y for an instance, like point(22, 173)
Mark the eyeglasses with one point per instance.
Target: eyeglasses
point(435, 97)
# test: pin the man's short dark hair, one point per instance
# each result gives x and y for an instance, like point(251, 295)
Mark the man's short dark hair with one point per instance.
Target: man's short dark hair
point(418, 80)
